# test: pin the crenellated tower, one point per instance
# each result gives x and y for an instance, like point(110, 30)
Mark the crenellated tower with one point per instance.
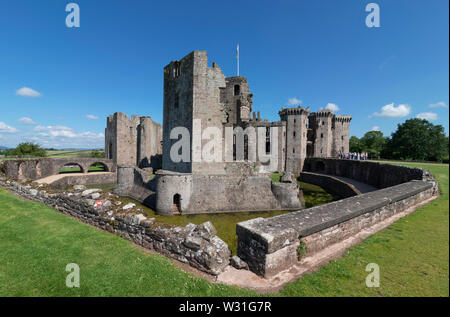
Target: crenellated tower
point(296, 137)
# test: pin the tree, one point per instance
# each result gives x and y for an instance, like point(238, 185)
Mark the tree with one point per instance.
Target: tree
point(373, 142)
point(28, 149)
point(97, 154)
point(418, 139)
point(355, 144)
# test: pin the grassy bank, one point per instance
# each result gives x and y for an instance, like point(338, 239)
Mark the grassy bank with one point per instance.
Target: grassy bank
point(37, 242)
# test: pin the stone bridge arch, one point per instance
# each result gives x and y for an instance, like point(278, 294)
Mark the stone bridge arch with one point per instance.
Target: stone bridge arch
point(84, 163)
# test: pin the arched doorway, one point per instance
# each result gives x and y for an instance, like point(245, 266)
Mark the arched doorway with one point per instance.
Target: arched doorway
point(176, 204)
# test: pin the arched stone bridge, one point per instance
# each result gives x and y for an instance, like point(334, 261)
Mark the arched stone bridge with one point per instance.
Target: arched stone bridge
point(39, 168)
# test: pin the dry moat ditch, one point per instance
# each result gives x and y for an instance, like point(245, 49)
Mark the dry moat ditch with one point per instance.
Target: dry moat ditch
point(225, 223)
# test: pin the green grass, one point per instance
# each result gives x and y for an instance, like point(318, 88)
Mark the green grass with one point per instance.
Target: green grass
point(68, 153)
point(37, 242)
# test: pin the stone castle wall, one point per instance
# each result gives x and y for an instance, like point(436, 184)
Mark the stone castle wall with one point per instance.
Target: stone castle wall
point(132, 141)
point(379, 175)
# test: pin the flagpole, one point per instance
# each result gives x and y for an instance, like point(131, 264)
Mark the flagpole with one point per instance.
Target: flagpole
point(237, 57)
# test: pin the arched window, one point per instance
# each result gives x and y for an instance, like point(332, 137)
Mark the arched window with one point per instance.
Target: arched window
point(237, 90)
point(245, 147)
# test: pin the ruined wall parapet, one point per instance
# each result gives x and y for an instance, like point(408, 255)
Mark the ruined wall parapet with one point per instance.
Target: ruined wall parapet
point(331, 184)
point(271, 245)
point(379, 175)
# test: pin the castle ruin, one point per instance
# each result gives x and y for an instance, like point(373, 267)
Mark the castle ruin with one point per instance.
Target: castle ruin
point(135, 141)
point(199, 98)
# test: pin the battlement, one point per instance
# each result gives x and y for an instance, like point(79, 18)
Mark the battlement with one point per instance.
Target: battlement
point(323, 113)
point(293, 111)
point(342, 118)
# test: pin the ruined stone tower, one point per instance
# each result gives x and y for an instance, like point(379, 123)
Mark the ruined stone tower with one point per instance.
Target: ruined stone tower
point(192, 91)
point(238, 100)
point(134, 141)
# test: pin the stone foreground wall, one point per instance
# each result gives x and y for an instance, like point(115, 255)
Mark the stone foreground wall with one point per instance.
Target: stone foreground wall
point(198, 246)
point(272, 245)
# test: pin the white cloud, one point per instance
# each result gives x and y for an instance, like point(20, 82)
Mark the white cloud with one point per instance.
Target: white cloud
point(392, 111)
point(331, 106)
point(430, 116)
point(27, 92)
point(65, 132)
point(375, 128)
point(66, 137)
point(4, 128)
point(294, 101)
point(438, 104)
point(57, 131)
point(91, 116)
point(27, 121)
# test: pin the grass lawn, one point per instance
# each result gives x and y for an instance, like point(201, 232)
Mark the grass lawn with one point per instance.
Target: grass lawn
point(37, 242)
point(68, 153)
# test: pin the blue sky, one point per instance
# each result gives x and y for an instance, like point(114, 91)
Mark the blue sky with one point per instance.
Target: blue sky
point(58, 84)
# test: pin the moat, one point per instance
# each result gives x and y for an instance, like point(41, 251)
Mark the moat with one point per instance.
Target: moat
point(225, 223)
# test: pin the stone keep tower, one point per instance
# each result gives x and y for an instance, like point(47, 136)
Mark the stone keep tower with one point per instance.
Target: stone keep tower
point(341, 135)
point(132, 141)
point(321, 124)
point(238, 100)
point(296, 137)
point(192, 91)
